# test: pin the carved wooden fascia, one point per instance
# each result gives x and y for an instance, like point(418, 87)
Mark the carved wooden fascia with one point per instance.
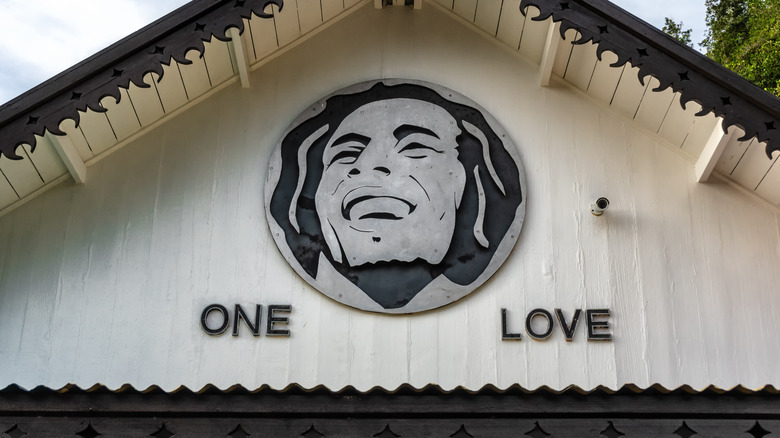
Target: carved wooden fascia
point(696, 77)
point(128, 61)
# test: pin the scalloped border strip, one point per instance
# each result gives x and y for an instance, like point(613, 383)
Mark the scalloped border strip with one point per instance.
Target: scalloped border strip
point(403, 388)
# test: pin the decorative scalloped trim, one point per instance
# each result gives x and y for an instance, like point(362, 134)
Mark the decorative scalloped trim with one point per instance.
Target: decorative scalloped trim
point(694, 76)
point(404, 388)
point(190, 34)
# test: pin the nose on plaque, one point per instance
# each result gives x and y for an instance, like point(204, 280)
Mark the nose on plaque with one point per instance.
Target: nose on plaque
point(382, 169)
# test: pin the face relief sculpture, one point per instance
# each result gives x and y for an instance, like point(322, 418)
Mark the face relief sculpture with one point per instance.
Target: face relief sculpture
point(391, 185)
point(390, 197)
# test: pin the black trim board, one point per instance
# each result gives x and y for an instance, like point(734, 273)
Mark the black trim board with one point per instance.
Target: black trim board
point(406, 412)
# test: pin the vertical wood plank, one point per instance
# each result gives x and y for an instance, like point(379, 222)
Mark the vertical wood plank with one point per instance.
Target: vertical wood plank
point(195, 76)
point(678, 121)
point(563, 54)
point(767, 188)
point(453, 357)
point(605, 78)
point(581, 65)
point(534, 36)
point(466, 9)
point(288, 26)
point(7, 194)
point(487, 16)
point(15, 276)
point(331, 8)
point(97, 130)
point(655, 260)
point(423, 352)
point(511, 23)
point(146, 101)
point(217, 59)
point(753, 166)
point(263, 34)
point(654, 106)
point(390, 346)
point(310, 14)
point(734, 152)
point(171, 87)
point(629, 92)
point(121, 115)
point(45, 159)
point(625, 269)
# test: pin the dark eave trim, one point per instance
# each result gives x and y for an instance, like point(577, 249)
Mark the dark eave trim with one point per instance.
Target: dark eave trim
point(695, 76)
point(675, 65)
point(129, 60)
point(405, 412)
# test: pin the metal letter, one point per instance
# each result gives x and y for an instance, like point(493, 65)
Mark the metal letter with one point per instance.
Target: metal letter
point(272, 320)
point(241, 315)
point(544, 314)
point(204, 316)
point(568, 330)
point(508, 336)
point(598, 325)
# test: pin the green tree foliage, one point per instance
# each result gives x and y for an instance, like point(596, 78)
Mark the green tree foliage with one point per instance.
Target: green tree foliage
point(744, 35)
point(676, 31)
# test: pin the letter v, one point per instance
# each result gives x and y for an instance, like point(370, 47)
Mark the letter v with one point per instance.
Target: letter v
point(568, 330)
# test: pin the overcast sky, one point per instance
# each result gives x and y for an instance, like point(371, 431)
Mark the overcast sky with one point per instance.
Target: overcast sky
point(44, 37)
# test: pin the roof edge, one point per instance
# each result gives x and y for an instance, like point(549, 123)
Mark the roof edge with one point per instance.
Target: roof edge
point(695, 76)
point(127, 61)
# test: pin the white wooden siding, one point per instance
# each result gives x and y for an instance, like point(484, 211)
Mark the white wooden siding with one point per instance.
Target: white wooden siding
point(105, 282)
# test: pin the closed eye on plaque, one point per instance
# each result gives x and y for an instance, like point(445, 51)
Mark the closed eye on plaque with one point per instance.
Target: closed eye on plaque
point(418, 150)
point(347, 156)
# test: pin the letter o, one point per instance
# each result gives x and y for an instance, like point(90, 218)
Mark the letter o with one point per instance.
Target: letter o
point(204, 316)
point(544, 314)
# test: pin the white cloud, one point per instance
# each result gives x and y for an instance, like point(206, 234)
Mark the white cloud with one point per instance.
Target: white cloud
point(45, 37)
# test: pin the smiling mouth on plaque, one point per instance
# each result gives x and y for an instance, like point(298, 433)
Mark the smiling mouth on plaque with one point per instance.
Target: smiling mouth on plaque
point(377, 207)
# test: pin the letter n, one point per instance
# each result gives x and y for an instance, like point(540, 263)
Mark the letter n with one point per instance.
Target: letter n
point(240, 315)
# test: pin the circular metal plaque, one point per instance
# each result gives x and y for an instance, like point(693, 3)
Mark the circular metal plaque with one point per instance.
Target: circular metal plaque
point(395, 196)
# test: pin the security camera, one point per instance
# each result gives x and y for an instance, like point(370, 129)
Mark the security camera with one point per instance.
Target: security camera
point(598, 207)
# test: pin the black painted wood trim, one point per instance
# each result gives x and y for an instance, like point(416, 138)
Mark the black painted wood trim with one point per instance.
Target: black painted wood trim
point(103, 74)
point(431, 412)
point(513, 402)
point(674, 64)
